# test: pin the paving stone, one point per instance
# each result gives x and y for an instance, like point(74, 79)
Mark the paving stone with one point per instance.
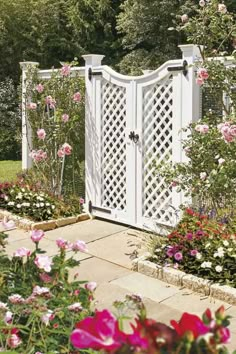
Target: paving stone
point(47, 245)
point(17, 235)
point(89, 230)
point(153, 289)
point(118, 248)
point(97, 270)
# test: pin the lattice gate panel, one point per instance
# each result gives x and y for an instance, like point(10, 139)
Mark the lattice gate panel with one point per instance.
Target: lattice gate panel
point(157, 146)
point(113, 151)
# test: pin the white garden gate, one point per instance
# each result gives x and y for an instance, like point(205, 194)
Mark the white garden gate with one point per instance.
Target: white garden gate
point(132, 123)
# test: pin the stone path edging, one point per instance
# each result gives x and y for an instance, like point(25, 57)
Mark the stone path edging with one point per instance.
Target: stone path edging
point(179, 278)
point(27, 224)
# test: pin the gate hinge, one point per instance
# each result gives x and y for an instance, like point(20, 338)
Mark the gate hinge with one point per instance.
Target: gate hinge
point(93, 207)
point(183, 68)
point(91, 73)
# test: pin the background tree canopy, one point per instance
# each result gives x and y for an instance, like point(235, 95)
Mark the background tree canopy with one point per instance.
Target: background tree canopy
point(132, 34)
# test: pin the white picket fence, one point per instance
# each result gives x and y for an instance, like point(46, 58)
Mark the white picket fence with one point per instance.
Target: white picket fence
point(132, 122)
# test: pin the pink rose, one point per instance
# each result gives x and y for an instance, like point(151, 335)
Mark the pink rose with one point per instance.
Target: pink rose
point(63, 244)
point(81, 200)
point(178, 256)
point(91, 286)
point(222, 8)
point(79, 246)
point(41, 134)
point(43, 262)
point(39, 88)
point(77, 97)
point(203, 74)
point(199, 81)
point(184, 18)
point(37, 235)
point(65, 70)
point(60, 153)
point(22, 252)
point(13, 341)
point(38, 155)
point(202, 128)
point(67, 149)
point(32, 106)
point(50, 101)
point(65, 117)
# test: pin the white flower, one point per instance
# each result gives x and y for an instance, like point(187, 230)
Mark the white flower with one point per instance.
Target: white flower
point(221, 161)
point(203, 176)
point(218, 269)
point(207, 245)
point(23, 190)
point(76, 307)
point(47, 204)
point(206, 265)
point(198, 256)
point(157, 250)
point(42, 204)
point(202, 3)
point(18, 206)
point(53, 207)
point(37, 205)
point(10, 203)
point(220, 249)
point(6, 197)
point(230, 249)
point(49, 212)
point(226, 243)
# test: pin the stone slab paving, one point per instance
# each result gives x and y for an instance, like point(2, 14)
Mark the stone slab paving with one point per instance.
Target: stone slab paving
point(108, 262)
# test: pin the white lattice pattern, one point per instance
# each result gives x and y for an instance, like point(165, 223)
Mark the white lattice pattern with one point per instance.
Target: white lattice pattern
point(113, 163)
point(157, 146)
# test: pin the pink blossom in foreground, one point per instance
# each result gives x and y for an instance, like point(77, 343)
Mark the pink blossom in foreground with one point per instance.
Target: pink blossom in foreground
point(65, 117)
point(43, 262)
point(38, 155)
point(36, 235)
point(77, 97)
point(45, 278)
point(67, 149)
point(22, 252)
point(203, 73)
point(51, 102)
point(40, 291)
point(91, 286)
point(65, 70)
point(222, 8)
point(190, 323)
point(79, 246)
point(202, 128)
point(60, 153)
point(178, 256)
point(224, 335)
point(199, 81)
point(39, 88)
point(63, 244)
point(16, 299)
point(31, 106)
point(14, 341)
point(8, 317)
point(41, 134)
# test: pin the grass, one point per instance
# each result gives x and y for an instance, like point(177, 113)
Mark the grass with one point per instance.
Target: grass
point(8, 170)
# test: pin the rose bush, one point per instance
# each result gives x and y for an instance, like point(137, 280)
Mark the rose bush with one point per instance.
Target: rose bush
point(39, 304)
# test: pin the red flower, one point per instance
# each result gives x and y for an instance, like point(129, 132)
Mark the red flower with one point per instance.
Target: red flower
point(190, 323)
point(98, 332)
point(223, 335)
point(189, 211)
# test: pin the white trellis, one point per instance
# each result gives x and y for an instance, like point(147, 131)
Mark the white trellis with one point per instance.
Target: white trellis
point(132, 122)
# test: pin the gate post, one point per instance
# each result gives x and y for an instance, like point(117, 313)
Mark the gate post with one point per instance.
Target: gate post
point(26, 129)
point(186, 109)
point(91, 61)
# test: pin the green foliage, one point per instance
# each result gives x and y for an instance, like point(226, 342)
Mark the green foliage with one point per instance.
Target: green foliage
point(207, 248)
point(10, 121)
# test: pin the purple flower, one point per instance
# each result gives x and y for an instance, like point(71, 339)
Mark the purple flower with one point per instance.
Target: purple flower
point(189, 236)
point(178, 256)
point(170, 251)
point(199, 233)
point(193, 252)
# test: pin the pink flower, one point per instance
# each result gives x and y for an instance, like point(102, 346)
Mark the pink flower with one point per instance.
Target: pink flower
point(40, 291)
point(199, 81)
point(8, 317)
point(100, 332)
point(63, 244)
point(79, 246)
point(81, 200)
point(39, 88)
point(202, 128)
point(65, 117)
point(233, 130)
point(193, 253)
point(67, 149)
point(178, 256)
point(32, 106)
point(91, 286)
point(50, 101)
point(221, 161)
point(222, 8)
point(45, 278)
point(38, 155)
point(16, 299)
point(202, 73)
point(41, 134)
point(224, 335)
point(190, 323)
point(184, 18)
point(60, 153)
point(47, 317)
point(65, 70)
point(76, 307)
point(8, 224)
point(77, 97)
point(22, 252)
point(174, 184)
point(37, 235)
point(43, 262)
point(13, 341)
point(170, 251)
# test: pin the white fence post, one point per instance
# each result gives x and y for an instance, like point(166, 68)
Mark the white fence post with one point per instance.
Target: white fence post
point(91, 60)
point(26, 129)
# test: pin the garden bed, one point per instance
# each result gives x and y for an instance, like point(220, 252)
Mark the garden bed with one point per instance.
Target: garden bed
point(182, 279)
point(26, 224)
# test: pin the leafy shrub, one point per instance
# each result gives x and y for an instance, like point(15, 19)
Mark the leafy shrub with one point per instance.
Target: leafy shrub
point(199, 246)
point(39, 305)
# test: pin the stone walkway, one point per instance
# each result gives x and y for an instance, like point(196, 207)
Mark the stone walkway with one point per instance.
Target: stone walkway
point(109, 261)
